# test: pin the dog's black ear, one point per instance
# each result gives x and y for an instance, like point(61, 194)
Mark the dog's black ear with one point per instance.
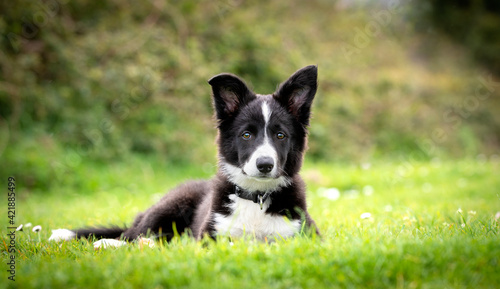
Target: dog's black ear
point(230, 93)
point(297, 93)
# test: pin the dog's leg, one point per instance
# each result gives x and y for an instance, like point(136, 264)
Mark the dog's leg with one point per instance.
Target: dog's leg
point(173, 214)
point(108, 243)
point(62, 235)
point(113, 243)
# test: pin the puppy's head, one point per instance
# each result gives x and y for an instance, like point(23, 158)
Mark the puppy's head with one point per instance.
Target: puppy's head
point(262, 138)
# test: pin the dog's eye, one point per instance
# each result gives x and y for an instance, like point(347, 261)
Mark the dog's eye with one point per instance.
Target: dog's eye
point(246, 135)
point(280, 135)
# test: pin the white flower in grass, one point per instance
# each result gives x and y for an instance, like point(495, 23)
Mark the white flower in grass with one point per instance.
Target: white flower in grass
point(427, 188)
point(368, 190)
point(473, 213)
point(20, 228)
point(330, 193)
point(366, 215)
point(459, 210)
point(28, 225)
point(497, 216)
point(463, 225)
point(37, 229)
point(352, 194)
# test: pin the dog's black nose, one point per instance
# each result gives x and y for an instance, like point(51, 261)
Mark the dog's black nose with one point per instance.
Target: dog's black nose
point(265, 164)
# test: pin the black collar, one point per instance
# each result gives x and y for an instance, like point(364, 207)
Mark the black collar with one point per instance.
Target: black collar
point(256, 197)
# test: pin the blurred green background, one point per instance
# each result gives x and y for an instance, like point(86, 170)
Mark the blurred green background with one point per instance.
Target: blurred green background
point(101, 81)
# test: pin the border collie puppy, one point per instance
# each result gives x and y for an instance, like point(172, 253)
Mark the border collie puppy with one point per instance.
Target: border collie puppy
point(257, 191)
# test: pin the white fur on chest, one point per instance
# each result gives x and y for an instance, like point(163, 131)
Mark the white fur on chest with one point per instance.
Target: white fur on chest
point(247, 219)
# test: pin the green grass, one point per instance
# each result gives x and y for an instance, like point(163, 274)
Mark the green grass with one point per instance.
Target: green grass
point(416, 237)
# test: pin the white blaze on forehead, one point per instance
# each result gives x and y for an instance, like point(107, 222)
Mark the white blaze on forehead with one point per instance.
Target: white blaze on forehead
point(264, 150)
point(266, 112)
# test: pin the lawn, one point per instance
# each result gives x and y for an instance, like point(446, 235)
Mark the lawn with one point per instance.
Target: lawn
point(99, 100)
point(431, 224)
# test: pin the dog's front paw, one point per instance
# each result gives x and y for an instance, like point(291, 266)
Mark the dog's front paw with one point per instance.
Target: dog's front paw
point(62, 235)
point(108, 243)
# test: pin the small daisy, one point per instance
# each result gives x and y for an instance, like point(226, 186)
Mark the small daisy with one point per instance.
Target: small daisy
point(37, 228)
point(20, 228)
point(330, 193)
point(368, 190)
point(366, 216)
point(459, 210)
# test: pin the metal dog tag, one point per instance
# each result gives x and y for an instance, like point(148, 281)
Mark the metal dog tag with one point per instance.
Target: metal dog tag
point(261, 201)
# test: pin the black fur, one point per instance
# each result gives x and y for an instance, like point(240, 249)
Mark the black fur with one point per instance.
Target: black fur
point(193, 205)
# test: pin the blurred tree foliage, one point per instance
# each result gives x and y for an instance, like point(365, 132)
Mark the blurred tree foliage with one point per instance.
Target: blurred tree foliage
point(101, 79)
point(475, 24)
